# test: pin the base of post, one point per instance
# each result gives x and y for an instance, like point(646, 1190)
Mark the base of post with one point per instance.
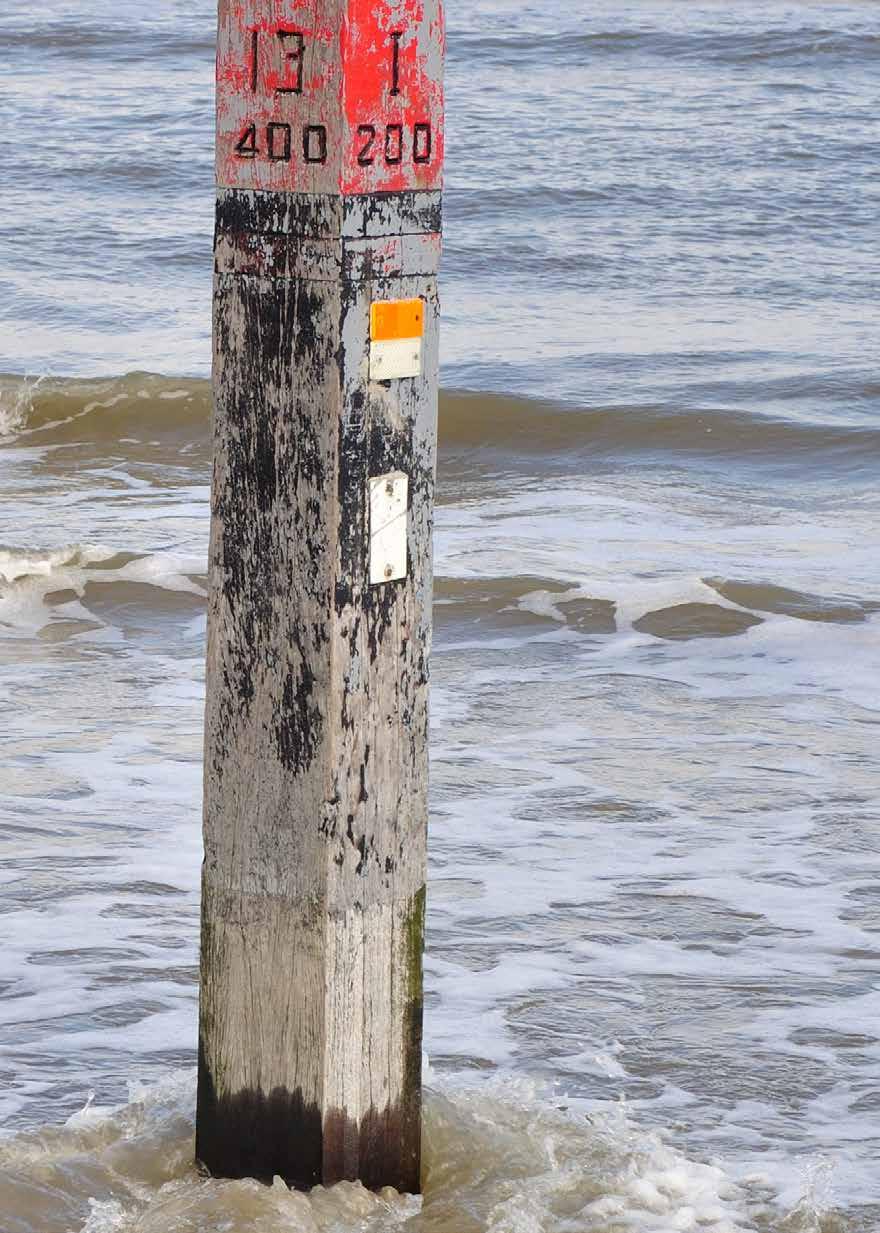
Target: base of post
point(254, 1135)
point(279, 1135)
point(360, 1049)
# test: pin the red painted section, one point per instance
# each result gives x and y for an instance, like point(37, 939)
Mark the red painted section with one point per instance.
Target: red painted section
point(407, 150)
point(330, 96)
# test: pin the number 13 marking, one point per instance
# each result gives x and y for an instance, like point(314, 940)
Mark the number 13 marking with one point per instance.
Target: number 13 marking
point(293, 47)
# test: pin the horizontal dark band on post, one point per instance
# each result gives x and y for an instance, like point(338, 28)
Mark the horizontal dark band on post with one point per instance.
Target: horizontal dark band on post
point(296, 257)
point(321, 216)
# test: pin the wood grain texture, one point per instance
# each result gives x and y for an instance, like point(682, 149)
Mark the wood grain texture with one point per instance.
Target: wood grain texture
point(315, 817)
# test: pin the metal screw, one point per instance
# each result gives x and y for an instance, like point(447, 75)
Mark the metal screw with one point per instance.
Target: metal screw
point(389, 488)
point(389, 570)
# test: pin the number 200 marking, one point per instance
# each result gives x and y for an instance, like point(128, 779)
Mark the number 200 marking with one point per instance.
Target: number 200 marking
point(393, 144)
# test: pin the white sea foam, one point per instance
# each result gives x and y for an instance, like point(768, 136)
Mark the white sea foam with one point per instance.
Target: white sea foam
point(29, 579)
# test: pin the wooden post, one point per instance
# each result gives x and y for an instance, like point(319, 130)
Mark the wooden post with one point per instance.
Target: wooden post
point(329, 155)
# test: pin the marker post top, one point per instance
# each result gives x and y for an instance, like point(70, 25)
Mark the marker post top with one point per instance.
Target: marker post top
point(343, 96)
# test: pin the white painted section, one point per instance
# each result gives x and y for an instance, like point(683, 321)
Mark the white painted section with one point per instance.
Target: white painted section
point(389, 497)
point(395, 357)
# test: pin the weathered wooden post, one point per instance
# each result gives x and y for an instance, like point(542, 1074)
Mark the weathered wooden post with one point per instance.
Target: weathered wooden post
point(329, 154)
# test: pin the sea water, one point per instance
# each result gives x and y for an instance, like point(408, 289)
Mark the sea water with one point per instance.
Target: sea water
point(653, 963)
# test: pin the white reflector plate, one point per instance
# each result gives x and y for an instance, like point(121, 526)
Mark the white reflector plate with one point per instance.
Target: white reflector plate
point(391, 358)
point(389, 497)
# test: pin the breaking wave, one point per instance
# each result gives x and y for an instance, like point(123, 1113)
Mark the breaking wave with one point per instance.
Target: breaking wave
point(144, 412)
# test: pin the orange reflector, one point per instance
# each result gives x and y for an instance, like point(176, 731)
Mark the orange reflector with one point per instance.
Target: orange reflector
point(391, 319)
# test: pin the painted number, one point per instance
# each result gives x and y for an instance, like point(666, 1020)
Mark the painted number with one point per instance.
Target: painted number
point(395, 144)
point(280, 142)
point(292, 47)
point(396, 36)
point(277, 140)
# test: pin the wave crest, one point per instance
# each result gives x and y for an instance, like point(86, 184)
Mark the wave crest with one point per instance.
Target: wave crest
point(142, 411)
point(139, 409)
